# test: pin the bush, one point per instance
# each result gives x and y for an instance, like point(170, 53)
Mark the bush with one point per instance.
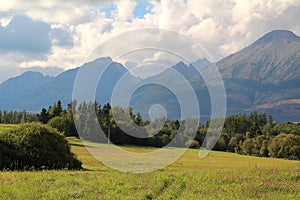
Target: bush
point(7, 155)
point(194, 144)
point(249, 147)
point(64, 124)
point(59, 123)
point(285, 146)
point(35, 145)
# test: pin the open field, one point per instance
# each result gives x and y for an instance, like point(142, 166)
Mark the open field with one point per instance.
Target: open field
point(218, 176)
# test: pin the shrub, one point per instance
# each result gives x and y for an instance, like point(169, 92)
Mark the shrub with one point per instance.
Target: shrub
point(7, 155)
point(59, 123)
point(35, 145)
point(285, 146)
point(64, 124)
point(194, 144)
point(249, 147)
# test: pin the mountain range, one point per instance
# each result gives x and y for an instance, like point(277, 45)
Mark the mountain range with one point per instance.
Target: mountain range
point(263, 77)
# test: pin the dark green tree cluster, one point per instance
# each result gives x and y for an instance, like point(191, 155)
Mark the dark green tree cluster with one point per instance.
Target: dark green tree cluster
point(254, 134)
point(17, 117)
point(59, 118)
point(96, 123)
point(35, 146)
point(258, 135)
point(89, 115)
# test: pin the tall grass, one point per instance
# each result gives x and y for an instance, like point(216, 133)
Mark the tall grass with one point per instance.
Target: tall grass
point(218, 176)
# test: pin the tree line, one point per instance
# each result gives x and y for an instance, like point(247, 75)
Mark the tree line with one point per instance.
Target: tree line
point(17, 117)
point(256, 134)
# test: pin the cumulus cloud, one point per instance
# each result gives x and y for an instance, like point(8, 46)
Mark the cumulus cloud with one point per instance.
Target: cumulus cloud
point(66, 33)
point(9, 65)
point(61, 36)
point(26, 35)
point(55, 11)
point(124, 10)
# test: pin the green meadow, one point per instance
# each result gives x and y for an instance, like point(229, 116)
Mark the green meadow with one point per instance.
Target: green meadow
point(220, 175)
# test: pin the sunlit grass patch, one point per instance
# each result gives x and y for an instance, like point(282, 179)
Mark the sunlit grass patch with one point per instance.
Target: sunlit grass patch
point(218, 176)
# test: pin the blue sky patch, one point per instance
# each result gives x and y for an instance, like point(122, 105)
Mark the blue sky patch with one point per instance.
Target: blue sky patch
point(108, 10)
point(142, 8)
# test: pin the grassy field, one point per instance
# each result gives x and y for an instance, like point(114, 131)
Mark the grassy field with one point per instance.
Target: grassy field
point(218, 176)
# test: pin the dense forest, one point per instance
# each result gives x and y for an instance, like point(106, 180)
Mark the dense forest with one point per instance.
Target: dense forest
point(254, 134)
point(17, 117)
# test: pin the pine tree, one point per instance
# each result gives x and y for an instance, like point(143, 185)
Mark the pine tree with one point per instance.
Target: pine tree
point(44, 116)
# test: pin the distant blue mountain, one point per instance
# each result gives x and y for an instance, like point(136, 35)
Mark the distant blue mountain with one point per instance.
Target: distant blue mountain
point(265, 76)
point(32, 90)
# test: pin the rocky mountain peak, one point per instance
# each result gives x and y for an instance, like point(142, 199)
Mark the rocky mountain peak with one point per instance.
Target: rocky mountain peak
point(278, 35)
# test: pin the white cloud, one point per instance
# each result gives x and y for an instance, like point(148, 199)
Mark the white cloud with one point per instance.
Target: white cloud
point(70, 12)
point(124, 10)
point(78, 27)
point(85, 37)
point(9, 65)
point(4, 21)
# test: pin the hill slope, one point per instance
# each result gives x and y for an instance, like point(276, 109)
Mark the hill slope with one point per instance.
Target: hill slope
point(264, 76)
point(274, 58)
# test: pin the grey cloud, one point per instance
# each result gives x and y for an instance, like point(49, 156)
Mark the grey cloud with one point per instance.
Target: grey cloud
point(8, 72)
point(106, 28)
point(25, 35)
point(62, 37)
point(287, 20)
point(130, 64)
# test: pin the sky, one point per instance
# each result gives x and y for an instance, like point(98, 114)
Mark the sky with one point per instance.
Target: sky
point(53, 36)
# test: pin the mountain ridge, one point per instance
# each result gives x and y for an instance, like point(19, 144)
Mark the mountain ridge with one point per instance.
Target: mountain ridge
point(267, 72)
point(276, 35)
point(269, 62)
